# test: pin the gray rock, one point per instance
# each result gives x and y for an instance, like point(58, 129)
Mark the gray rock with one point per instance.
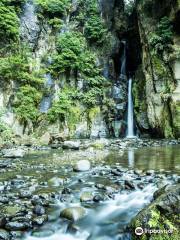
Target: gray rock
point(3, 221)
point(129, 184)
point(17, 226)
point(39, 210)
point(25, 194)
point(73, 213)
point(82, 165)
point(71, 145)
point(40, 220)
point(13, 153)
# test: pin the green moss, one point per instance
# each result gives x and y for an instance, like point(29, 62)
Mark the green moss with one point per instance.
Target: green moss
point(155, 216)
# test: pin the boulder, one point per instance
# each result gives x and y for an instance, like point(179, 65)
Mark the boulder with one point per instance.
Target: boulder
point(75, 145)
point(162, 214)
point(45, 138)
point(86, 196)
point(17, 226)
point(73, 213)
point(13, 153)
point(82, 165)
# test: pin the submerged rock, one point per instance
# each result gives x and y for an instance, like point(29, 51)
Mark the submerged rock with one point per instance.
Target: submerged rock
point(73, 213)
point(83, 165)
point(13, 153)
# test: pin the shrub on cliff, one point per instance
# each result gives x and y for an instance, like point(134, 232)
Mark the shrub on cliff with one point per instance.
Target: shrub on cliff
point(162, 39)
point(26, 104)
point(53, 7)
point(9, 24)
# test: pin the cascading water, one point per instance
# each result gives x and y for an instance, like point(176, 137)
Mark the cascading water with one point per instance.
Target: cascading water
point(130, 119)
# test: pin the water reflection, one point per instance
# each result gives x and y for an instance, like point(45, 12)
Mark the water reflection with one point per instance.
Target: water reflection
point(131, 157)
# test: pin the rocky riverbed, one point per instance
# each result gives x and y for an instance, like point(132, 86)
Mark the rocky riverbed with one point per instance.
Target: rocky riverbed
point(81, 189)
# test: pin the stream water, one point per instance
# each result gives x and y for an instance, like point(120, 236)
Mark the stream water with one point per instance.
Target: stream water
point(104, 220)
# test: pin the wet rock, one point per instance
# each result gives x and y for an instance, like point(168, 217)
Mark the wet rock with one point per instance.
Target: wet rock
point(39, 210)
point(98, 198)
point(138, 172)
point(12, 210)
point(4, 235)
point(73, 213)
point(17, 226)
point(3, 221)
point(86, 196)
point(40, 220)
point(159, 213)
point(25, 194)
point(116, 172)
point(99, 186)
point(13, 153)
point(66, 191)
point(56, 181)
point(71, 145)
point(129, 184)
point(82, 165)
point(150, 172)
point(4, 199)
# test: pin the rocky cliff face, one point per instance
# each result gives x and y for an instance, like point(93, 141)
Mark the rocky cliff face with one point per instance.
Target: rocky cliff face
point(157, 84)
point(70, 65)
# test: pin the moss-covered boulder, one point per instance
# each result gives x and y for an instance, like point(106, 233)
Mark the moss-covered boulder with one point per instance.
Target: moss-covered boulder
point(162, 216)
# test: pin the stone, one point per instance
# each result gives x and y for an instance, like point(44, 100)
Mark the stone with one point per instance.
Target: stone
point(98, 198)
point(45, 138)
point(40, 220)
point(82, 165)
point(39, 210)
point(73, 213)
point(3, 221)
point(129, 184)
point(25, 194)
point(86, 196)
point(4, 235)
point(162, 213)
point(75, 145)
point(13, 153)
point(17, 226)
point(56, 181)
point(116, 173)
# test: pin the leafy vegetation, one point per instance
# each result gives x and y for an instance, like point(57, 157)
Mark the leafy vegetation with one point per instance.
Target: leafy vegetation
point(53, 8)
point(16, 68)
point(9, 24)
point(161, 40)
point(6, 133)
point(26, 104)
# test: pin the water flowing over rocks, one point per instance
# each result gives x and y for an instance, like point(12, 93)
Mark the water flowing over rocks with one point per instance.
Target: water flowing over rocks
point(73, 213)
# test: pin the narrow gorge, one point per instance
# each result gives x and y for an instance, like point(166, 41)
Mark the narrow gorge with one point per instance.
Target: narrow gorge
point(89, 119)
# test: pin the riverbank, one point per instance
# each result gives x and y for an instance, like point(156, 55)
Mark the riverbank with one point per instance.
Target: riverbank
point(100, 185)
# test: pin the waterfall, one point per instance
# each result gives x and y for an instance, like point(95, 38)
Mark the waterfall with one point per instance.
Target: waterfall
point(130, 120)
